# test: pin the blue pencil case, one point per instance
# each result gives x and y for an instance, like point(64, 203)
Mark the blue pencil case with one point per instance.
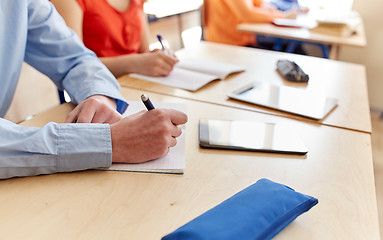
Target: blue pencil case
point(260, 211)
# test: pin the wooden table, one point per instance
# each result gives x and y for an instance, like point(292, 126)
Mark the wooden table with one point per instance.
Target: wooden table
point(304, 34)
point(343, 81)
point(337, 170)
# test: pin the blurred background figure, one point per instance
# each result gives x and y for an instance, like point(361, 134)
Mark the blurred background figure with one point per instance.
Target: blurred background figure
point(117, 31)
point(221, 17)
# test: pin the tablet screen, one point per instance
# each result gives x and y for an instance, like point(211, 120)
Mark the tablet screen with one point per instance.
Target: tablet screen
point(249, 136)
point(288, 99)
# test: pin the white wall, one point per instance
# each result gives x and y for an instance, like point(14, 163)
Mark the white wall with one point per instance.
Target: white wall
point(372, 55)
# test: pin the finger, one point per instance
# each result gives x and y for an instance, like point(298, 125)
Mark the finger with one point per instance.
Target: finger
point(111, 117)
point(102, 114)
point(115, 118)
point(173, 142)
point(100, 117)
point(72, 116)
point(176, 131)
point(169, 59)
point(86, 115)
point(177, 117)
point(165, 70)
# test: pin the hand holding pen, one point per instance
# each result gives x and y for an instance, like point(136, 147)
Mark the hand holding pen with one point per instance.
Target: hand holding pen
point(146, 135)
point(159, 37)
point(148, 104)
point(156, 63)
point(165, 49)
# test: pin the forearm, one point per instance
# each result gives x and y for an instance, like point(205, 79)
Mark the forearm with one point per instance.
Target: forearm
point(121, 65)
point(56, 51)
point(117, 65)
point(29, 151)
point(145, 35)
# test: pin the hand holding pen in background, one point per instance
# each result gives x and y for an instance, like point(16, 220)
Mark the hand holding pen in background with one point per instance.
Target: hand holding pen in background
point(165, 47)
point(156, 63)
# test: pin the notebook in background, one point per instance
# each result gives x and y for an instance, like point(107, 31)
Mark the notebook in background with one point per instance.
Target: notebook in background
point(173, 162)
point(295, 23)
point(192, 74)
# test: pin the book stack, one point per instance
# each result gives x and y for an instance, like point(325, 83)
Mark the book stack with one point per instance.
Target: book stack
point(341, 24)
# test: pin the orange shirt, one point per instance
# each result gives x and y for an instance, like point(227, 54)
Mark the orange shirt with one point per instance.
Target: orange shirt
point(223, 16)
point(109, 32)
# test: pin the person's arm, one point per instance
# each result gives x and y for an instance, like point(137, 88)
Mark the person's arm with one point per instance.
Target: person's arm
point(72, 13)
point(31, 151)
point(56, 51)
point(145, 34)
point(50, 47)
point(247, 12)
point(153, 64)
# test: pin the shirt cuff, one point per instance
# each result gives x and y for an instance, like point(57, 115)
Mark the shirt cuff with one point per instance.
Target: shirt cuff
point(121, 106)
point(84, 146)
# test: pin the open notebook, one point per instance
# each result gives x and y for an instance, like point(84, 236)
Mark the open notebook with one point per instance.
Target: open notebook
point(173, 162)
point(192, 74)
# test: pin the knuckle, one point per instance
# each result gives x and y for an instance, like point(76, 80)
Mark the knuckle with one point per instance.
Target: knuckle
point(92, 101)
point(164, 151)
point(103, 109)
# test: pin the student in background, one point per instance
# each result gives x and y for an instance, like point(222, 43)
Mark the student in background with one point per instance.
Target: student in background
point(221, 18)
point(117, 31)
point(95, 134)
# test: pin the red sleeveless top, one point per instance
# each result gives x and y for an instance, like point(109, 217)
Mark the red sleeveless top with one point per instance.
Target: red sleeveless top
point(109, 32)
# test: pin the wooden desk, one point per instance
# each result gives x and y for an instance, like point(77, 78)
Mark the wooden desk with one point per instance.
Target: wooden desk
point(337, 170)
point(304, 34)
point(344, 81)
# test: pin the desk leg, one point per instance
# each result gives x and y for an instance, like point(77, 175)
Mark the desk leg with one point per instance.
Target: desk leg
point(334, 52)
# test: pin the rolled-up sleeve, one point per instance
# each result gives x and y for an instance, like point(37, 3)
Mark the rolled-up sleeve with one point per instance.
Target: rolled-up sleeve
point(29, 151)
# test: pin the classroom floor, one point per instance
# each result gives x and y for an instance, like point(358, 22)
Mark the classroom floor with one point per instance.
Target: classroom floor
point(377, 152)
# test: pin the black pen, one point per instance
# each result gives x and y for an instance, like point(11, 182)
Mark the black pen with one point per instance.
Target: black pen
point(148, 104)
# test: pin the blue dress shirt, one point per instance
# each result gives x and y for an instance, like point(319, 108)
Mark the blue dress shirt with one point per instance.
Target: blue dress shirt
point(33, 31)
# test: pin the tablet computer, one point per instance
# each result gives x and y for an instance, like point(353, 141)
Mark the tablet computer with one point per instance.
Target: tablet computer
point(288, 99)
point(249, 136)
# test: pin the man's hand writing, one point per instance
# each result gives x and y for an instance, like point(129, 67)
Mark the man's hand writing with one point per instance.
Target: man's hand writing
point(146, 135)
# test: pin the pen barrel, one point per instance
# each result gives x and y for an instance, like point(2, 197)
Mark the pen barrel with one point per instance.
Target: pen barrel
point(148, 104)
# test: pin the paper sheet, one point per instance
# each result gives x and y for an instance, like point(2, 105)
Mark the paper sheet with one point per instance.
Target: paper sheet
point(173, 162)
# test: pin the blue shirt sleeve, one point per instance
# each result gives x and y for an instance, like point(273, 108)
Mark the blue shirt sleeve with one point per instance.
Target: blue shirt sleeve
point(33, 31)
point(29, 151)
point(55, 50)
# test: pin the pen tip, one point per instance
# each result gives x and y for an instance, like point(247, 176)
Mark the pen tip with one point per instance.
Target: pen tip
point(144, 97)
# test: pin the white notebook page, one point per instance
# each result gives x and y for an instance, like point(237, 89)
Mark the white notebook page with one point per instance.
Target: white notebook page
point(173, 162)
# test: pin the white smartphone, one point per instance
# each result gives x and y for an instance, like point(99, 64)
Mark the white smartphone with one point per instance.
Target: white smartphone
point(249, 136)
